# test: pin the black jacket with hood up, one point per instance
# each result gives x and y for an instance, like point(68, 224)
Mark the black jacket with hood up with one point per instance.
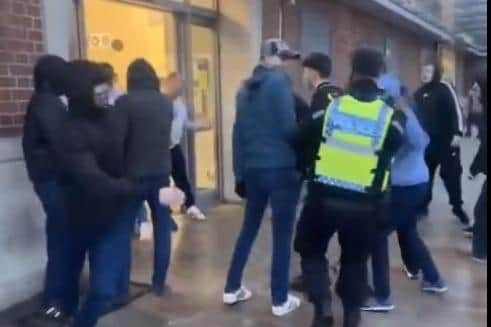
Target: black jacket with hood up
point(91, 153)
point(45, 115)
point(439, 110)
point(150, 120)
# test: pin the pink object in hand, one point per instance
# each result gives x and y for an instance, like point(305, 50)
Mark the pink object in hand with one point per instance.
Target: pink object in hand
point(171, 196)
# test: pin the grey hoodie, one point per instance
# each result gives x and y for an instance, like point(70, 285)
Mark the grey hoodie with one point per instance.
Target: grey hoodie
point(265, 129)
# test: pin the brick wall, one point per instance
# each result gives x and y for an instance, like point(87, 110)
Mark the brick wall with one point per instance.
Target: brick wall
point(21, 42)
point(350, 28)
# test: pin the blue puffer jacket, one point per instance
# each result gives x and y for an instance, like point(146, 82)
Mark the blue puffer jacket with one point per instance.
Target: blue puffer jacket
point(265, 128)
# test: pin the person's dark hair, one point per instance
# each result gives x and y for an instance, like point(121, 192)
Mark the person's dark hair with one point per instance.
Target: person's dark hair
point(319, 62)
point(107, 72)
point(50, 73)
point(142, 76)
point(367, 62)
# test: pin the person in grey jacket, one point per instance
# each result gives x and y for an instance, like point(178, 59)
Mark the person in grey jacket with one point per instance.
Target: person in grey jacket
point(265, 170)
point(410, 181)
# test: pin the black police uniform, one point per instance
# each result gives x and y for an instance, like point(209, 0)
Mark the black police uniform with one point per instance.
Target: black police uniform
point(327, 212)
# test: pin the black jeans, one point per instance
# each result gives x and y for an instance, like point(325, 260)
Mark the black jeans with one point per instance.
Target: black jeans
point(355, 224)
point(180, 175)
point(440, 154)
point(405, 205)
point(480, 241)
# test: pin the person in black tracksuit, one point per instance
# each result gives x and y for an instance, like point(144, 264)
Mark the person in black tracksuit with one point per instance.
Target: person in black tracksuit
point(329, 210)
point(441, 116)
point(317, 70)
point(45, 115)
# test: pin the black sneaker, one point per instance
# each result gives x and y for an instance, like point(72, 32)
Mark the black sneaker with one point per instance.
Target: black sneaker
point(378, 306)
point(323, 321)
point(53, 316)
point(439, 287)
point(469, 232)
point(462, 216)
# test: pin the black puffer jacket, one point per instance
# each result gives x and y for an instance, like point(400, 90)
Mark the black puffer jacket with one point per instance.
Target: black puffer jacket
point(150, 120)
point(91, 153)
point(45, 114)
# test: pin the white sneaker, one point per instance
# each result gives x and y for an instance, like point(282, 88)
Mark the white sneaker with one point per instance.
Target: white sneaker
point(292, 304)
point(195, 213)
point(241, 295)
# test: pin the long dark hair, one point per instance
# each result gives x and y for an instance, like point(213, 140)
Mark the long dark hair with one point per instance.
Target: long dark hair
point(142, 76)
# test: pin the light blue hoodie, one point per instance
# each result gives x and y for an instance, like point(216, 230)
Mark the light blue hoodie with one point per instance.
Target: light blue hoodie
point(409, 167)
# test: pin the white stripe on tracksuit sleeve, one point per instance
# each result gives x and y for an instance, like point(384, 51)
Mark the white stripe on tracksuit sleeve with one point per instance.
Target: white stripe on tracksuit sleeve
point(457, 106)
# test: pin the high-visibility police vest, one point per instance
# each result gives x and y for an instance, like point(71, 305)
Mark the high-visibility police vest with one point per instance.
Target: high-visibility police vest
point(353, 136)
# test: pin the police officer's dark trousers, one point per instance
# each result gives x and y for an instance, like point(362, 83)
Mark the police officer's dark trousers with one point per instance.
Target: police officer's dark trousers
point(355, 225)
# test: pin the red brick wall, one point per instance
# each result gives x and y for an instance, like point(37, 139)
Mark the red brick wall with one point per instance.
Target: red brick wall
point(21, 42)
point(350, 28)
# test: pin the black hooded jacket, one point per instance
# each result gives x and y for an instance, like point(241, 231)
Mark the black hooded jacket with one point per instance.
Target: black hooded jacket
point(91, 153)
point(45, 114)
point(150, 119)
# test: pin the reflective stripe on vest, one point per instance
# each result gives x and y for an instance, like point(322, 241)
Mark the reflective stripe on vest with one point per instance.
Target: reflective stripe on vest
point(354, 133)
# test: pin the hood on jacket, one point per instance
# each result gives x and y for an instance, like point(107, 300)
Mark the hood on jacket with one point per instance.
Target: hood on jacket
point(50, 73)
point(142, 76)
point(82, 76)
point(259, 74)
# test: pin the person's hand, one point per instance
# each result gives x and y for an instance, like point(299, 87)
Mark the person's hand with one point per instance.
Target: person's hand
point(456, 141)
point(401, 104)
point(171, 196)
point(240, 190)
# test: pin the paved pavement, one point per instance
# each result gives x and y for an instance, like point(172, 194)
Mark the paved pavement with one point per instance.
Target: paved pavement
point(202, 252)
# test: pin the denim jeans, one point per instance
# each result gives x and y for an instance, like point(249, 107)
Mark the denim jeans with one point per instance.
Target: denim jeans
point(405, 205)
point(281, 188)
point(58, 289)
point(107, 251)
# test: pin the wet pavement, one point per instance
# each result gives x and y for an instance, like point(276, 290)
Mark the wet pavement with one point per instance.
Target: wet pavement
point(202, 252)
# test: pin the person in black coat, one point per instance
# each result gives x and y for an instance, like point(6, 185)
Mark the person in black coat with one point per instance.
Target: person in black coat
point(45, 114)
point(480, 166)
point(101, 201)
point(441, 116)
point(317, 71)
point(148, 158)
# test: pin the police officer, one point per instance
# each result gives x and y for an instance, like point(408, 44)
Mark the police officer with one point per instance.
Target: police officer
point(317, 70)
point(356, 136)
point(441, 116)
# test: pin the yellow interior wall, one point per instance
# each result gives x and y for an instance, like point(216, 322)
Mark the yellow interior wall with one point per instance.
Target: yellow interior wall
point(145, 33)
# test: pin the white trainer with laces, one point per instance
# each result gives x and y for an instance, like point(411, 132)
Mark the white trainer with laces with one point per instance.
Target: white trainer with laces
point(195, 213)
point(242, 295)
point(292, 304)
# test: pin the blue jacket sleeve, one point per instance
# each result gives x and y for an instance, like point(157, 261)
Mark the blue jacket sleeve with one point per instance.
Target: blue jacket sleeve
point(415, 134)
